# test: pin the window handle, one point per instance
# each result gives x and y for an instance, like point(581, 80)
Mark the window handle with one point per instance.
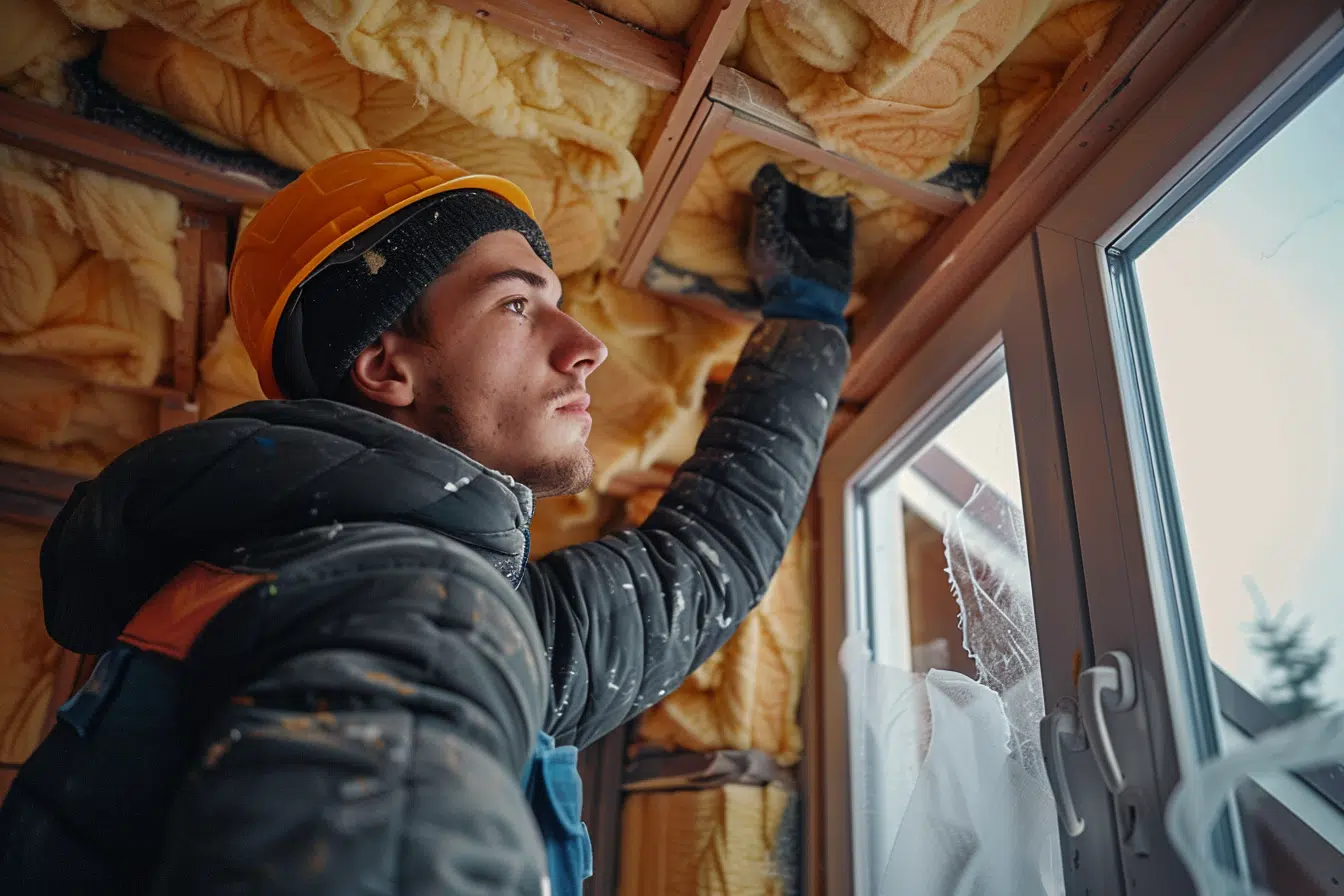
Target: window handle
point(1061, 731)
point(1109, 685)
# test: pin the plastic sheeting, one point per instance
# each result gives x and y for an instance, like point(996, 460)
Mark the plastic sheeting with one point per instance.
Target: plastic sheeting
point(949, 782)
point(1199, 801)
point(945, 807)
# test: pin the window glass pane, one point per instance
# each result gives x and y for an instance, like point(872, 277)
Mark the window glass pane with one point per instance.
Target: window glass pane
point(1244, 305)
point(959, 493)
point(1241, 306)
point(948, 587)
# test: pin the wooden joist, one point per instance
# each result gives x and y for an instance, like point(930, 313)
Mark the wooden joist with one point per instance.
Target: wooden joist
point(661, 770)
point(1148, 42)
point(664, 151)
point(587, 34)
point(32, 496)
point(600, 767)
point(756, 110)
point(186, 332)
point(761, 113)
point(706, 127)
point(60, 135)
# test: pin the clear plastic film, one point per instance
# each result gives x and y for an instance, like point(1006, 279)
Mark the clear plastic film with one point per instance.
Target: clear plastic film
point(950, 791)
point(1200, 799)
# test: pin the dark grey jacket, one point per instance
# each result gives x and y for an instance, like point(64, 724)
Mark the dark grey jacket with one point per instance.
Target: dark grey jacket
point(357, 720)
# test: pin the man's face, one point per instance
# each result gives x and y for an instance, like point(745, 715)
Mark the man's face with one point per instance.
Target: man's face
point(501, 374)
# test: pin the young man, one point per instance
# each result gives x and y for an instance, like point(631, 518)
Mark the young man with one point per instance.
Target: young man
point(327, 664)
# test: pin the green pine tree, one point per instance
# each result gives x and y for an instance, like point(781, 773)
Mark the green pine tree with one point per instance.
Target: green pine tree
point(1296, 666)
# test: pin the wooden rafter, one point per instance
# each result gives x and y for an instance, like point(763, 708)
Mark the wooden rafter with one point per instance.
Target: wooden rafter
point(708, 125)
point(214, 279)
point(585, 33)
point(663, 152)
point(186, 332)
point(761, 113)
point(1149, 41)
point(60, 135)
point(32, 496)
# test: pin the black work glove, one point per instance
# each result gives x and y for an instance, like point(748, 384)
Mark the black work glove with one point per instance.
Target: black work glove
point(800, 249)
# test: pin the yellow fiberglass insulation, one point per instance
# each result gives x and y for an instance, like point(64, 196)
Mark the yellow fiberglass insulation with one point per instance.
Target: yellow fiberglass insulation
point(343, 55)
point(1019, 88)
point(63, 424)
point(227, 376)
point(893, 82)
point(719, 842)
point(296, 127)
point(36, 41)
point(88, 269)
point(746, 695)
point(28, 657)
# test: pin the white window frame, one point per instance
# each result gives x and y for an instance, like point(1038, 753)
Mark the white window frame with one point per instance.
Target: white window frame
point(1131, 558)
point(1049, 306)
point(1003, 315)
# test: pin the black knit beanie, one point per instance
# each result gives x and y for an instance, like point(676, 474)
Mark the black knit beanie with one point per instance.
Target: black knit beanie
point(344, 307)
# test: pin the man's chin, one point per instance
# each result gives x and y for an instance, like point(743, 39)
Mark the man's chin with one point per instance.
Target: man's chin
point(568, 475)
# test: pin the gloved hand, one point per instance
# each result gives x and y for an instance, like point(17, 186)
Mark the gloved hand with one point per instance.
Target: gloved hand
point(800, 250)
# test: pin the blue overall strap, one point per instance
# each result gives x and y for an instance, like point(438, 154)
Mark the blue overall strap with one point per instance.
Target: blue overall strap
point(555, 793)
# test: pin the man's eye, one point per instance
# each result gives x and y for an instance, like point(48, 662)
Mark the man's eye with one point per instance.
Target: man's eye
point(517, 306)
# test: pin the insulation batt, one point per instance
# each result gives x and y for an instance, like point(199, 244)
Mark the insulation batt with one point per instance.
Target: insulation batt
point(28, 657)
point(88, 279)
point(702, 842)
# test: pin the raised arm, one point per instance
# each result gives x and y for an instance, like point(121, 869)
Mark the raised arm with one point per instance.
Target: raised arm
point(626, 618)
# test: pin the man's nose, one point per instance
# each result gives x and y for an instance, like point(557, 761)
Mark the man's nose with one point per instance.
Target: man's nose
point(578, 351)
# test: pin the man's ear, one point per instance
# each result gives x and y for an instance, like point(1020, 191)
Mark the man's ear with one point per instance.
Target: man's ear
point(384, 373)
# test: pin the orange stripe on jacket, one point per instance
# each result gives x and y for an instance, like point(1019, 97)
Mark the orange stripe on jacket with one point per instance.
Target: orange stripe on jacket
point(174, 617)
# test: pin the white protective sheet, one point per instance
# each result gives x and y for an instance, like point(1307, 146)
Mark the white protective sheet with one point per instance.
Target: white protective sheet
point(1199, 800)
point(950, 790)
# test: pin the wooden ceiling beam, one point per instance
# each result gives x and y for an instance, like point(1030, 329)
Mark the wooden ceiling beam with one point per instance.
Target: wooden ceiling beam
point(709, 123)
point(1149, 41)
point(32, 496)
point(587, 34)
point(61, 135)
point(761, 113)
point(664, 149)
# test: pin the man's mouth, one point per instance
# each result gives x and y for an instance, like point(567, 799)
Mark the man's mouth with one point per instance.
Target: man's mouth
point(576, 405)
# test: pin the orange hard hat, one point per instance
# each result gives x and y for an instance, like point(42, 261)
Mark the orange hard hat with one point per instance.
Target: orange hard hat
point(328, 205)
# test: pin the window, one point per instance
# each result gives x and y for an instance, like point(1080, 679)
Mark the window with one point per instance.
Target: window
point(1235, 331)
point(948, 588)
point(1136, 425)
point(928, 535)
point(1192, 287)
point(950, 495)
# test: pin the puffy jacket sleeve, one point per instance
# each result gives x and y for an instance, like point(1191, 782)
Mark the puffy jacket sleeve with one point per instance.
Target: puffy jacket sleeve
point(625, 619)
point(381, 709)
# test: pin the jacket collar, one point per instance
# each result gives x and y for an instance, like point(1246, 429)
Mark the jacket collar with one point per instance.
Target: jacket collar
point(260, 470)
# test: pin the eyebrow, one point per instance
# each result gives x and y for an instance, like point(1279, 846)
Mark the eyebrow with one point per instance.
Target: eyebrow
point(531, 278)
